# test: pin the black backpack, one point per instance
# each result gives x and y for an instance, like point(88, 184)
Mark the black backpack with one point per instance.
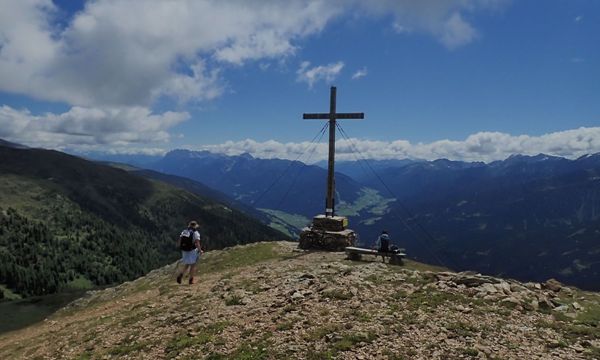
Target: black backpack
point(187, 242)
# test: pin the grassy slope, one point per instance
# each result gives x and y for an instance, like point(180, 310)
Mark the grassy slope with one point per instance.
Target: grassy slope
point(89, 208)
point(153, 317)
point(369, 205)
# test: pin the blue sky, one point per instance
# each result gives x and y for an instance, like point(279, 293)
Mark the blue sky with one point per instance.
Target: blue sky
point(468, 79)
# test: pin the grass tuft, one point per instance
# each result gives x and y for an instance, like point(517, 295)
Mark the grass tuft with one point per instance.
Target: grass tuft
point(337, 294)
point(238, 257)
point(184, 340)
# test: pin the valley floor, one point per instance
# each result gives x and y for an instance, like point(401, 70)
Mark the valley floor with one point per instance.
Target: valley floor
point(270, 301)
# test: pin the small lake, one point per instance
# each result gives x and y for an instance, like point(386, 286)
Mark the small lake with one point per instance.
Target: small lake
point(18, 314)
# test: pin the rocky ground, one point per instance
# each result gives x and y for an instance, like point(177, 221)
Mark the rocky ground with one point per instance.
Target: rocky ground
point(271, 301)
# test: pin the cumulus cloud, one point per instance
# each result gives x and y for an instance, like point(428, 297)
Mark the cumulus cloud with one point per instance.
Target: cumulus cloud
point(198, 85)
point(124, 52)
point(359, 73)
point(482, 146)
point(443, 19)
point(128, 53)
point(88, 127)
point(311, 75)
point(93, 152)
point(117, 55)
point(457, 32)
point(114, 59)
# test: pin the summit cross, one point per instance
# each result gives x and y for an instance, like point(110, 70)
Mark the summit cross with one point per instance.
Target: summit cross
point(332, 116)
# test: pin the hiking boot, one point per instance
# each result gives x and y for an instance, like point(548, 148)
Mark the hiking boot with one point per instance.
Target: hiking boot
point(179, 277)
point(191, 280)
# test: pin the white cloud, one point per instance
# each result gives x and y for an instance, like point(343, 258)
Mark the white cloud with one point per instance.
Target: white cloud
point(311, 75)
point(128, 53)
point(578, 18)
point(482, 146)
point(359, 73)
point(400, 29)
point(443, 19)
point(122, 56)
point(198, 85)
point(456, 32)
point(91, 151)
point(114, 59)
point(83, 127)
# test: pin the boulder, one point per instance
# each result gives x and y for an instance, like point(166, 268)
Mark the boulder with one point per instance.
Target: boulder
point(577, 306)
point(545, 304)
point(517, 287)
point(532, 305)
point(504, 287)
point(561, 308)
point(473, 280)
point(297, 296)
point(553, 285)
point(488, 288)
point(510, 302)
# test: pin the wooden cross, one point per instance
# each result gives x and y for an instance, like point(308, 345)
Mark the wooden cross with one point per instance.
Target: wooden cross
point(332, 116)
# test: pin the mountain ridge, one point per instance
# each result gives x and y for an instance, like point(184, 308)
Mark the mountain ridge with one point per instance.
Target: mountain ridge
point(271, 301)
point(285, 185)
point(67, 221)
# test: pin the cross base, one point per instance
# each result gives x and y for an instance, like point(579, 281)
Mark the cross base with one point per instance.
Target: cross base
point(327, 234)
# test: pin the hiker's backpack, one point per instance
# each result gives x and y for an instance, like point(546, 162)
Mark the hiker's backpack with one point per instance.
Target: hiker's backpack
point(187, 242)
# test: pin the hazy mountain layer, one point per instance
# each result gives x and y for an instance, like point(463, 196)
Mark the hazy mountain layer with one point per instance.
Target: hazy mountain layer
point(526, 217)
point(284, 185)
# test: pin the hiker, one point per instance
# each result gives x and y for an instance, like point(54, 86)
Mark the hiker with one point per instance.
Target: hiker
point(189, 244)
point(383, 243)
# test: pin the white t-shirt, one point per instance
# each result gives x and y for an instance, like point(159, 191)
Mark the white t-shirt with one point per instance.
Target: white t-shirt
point(186, 233)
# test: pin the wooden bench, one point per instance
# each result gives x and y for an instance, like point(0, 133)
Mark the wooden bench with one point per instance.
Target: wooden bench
point(355, 254)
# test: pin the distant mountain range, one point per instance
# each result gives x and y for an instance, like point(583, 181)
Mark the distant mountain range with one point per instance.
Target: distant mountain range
point(290, 192)
point(362, 171)
point(527, 217)
point(66, 222)
point(137, 160)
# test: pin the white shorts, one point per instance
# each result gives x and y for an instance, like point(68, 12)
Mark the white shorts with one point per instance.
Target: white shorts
point(189, 257)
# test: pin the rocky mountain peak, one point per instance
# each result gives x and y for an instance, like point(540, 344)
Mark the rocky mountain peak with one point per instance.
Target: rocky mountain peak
point(272, 301)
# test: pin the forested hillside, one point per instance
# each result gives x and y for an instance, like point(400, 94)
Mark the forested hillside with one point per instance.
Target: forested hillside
point(527, 217)
point(67, 222)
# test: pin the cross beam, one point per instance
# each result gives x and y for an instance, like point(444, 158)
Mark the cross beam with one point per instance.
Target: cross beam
point(337, 116)
point(332, 116)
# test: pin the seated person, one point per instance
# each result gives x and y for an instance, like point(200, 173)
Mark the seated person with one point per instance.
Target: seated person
point(383, 243)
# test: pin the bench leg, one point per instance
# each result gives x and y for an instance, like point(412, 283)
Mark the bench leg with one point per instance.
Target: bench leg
point(396, 260)
point(354, 257)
